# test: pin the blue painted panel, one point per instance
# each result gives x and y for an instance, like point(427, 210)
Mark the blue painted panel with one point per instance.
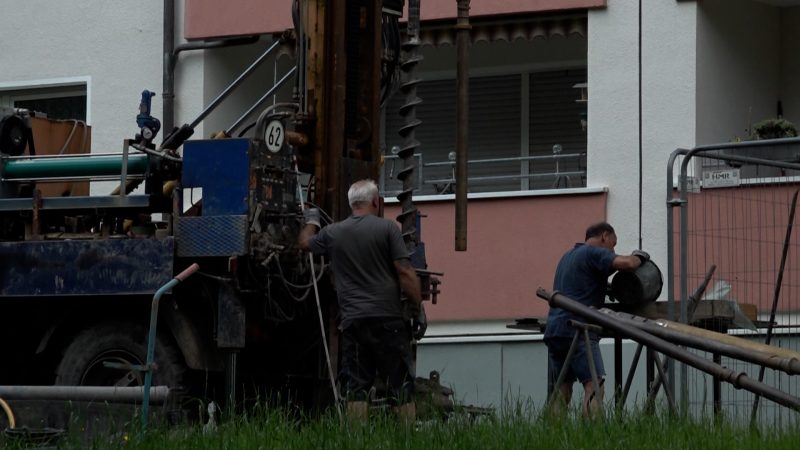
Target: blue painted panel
point(97, 267)
point(211, 236)
point(222, 168)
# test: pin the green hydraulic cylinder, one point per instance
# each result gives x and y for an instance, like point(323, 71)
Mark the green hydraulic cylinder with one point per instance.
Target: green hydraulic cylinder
point(83, 166)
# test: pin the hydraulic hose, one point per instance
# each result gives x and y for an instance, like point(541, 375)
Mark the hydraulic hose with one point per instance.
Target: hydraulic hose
point(337, 399)
point(12, 423)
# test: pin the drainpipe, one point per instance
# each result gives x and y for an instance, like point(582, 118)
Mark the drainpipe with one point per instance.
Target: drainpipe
point(171, 53)
point(462, 119)
point(168, 77)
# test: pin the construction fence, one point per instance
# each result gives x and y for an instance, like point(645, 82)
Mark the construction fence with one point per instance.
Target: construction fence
point(732, 222)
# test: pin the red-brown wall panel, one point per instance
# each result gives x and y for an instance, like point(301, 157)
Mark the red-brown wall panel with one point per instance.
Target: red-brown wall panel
point(514, 245)
point(206, 19)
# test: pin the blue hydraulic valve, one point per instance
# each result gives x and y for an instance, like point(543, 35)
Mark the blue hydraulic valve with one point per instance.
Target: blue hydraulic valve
point(148, 125)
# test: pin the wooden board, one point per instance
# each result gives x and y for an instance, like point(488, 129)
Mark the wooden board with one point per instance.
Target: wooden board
point(49, 136)
point(706, 309)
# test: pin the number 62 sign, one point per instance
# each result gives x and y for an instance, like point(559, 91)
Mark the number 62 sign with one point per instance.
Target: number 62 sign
point(274, 136)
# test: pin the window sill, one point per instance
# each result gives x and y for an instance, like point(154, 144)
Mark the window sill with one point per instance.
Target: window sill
point(506, 194)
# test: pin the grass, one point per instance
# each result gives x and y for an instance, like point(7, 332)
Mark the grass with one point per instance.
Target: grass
point(274, 429)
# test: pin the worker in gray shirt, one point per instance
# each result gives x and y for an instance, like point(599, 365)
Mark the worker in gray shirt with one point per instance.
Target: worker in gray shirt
point(370, 266)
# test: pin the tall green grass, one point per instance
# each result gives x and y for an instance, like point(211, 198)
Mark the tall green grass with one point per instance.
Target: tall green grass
point(276, 429)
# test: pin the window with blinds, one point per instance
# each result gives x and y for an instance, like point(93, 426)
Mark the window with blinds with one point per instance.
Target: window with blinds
point(555, 133)
point(499, 118)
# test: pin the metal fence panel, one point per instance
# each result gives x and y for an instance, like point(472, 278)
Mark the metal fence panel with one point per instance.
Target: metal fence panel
point(736, 213)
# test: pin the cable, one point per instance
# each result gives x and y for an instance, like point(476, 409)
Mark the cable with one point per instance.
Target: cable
point(641, 176)
point(298, 286)
point(246, 129)
point(71, 133)
point(337, 399)
point(9, 414)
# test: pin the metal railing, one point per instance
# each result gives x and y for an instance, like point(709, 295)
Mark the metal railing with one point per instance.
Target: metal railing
point(446, 184)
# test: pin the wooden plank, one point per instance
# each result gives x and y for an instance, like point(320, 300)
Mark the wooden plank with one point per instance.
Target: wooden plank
point(706, 309)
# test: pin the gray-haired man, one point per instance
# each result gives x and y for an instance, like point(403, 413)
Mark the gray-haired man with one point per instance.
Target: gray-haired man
point(371, 266)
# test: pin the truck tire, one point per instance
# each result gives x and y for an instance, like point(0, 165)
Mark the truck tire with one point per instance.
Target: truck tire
point(117, 342)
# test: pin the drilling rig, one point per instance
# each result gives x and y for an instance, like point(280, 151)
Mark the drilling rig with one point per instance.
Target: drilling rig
point(78, 273)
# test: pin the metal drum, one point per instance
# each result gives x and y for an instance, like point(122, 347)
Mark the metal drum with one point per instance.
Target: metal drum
point(638, 287)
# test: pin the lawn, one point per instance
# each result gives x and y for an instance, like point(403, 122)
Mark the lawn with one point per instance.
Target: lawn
point(274, 429)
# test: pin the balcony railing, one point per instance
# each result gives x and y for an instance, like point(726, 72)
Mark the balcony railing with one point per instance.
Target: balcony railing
point(441, 179)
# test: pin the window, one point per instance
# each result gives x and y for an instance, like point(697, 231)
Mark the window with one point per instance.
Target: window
point(556, 133)
point(59, 101)
point(515, 124)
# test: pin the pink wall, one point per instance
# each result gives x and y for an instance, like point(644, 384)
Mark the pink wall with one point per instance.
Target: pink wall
point(741, 230)
point(212, 18)
point(513, 246)
point(446, 9)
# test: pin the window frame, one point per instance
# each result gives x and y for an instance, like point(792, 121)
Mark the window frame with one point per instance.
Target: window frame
point(50, 88)
point(523, 71)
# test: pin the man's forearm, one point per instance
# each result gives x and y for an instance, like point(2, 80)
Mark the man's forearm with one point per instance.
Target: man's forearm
point(305, 236)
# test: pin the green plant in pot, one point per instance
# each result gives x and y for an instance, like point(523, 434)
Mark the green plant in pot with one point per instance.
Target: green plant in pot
point(773, 129)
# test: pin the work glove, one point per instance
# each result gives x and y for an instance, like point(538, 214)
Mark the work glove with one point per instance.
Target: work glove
point(311, 216)
point(643, 255)
point(419, 324)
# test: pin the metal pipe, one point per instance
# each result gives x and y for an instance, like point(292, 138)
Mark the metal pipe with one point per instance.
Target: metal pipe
point(666, 378)
point(754, 161)
point(747, 144)
point(168, 69)
point(505, 177)
point(672, 202)
point(717, 358)
point(64, 156)
point(89, 165)
point(556, 388)
point(694, 299)
point(234, 84)
point(462, 121)
point(124, 175)
point(151, 336)
point(590, 357)
point(774, 357)
point(509, 159)
point(629, 380)
point(662, 376)
point(739, 380)
point(77, 178)
point(669, 383)
point(617, 370)
point(171, 53)
point(260, 101)
point(120, 394)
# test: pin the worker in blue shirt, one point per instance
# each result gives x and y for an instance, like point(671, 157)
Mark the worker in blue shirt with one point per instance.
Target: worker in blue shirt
point(582, 275)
